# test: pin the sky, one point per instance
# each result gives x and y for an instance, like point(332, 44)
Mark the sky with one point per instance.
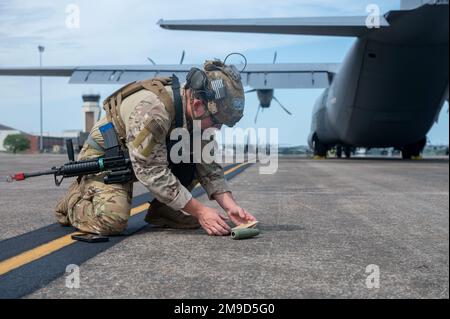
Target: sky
point(125, 32)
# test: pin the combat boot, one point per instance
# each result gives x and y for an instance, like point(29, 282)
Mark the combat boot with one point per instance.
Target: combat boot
point(161, 215)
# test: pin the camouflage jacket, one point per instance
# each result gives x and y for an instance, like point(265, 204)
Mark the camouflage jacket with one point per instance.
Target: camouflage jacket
point(148, 151)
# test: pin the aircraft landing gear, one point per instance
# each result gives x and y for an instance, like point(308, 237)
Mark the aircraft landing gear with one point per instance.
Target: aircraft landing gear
point(348, 152)
point(339, 151)
point(320, 150)
point(413, 151)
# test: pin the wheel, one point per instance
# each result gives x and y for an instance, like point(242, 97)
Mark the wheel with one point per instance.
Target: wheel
point(414, 150)
point(319, 148)
point(339, 151)
point(348, 152)
point(406, 155)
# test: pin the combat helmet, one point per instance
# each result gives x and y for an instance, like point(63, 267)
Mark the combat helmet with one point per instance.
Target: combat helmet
point(221, 86)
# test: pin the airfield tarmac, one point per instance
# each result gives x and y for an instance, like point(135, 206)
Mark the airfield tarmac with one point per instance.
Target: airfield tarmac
point(322, 222)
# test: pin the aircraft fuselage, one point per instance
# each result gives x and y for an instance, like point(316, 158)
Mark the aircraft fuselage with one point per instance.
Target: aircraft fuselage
point(391, 85)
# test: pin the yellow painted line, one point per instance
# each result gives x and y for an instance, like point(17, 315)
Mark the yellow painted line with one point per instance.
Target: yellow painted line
point(139, 209)
point(231, 170)
point(57, 244)
point(35, 253)
point(48, 248)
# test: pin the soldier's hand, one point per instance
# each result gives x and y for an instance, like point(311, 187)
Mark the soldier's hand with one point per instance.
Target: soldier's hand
point(239, 215)
point(213, 222)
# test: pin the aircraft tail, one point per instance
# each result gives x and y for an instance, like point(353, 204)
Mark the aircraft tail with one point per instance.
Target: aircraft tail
point(413, 4)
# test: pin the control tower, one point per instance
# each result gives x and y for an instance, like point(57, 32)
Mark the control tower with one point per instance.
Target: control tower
point(91, 110)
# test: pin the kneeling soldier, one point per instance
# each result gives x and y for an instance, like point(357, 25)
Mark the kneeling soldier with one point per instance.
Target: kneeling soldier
point(143, 114)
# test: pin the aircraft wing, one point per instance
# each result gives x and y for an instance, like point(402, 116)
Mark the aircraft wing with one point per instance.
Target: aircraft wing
point(117, 74)
point(289, 75)
point(50, 71)
point(258, 76)
point(351, 26)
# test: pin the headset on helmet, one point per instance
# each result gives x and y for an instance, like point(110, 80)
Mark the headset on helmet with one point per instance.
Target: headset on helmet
point(220, 86)
point(197, 80)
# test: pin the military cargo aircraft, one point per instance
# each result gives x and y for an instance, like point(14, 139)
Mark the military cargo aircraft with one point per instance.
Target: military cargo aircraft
point(388, 91)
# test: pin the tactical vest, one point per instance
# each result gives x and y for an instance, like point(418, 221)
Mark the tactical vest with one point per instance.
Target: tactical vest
point(185, 172)
point(112, 104)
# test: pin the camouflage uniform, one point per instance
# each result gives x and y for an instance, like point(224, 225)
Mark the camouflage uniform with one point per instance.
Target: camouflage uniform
point(95, 207)
point(91, 205)
point(153, 170)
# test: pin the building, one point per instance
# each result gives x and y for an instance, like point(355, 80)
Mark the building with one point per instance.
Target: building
point(52, 144)
point(91, 110)
point(56, 142)
point(4, 132)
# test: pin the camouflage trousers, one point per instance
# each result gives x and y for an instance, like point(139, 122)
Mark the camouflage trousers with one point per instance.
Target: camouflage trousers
point(93, 206)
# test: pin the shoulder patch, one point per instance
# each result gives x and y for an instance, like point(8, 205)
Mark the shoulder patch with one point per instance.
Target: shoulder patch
point(157, 129)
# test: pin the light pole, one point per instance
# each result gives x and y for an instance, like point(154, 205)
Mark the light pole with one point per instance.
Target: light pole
point(41, 139)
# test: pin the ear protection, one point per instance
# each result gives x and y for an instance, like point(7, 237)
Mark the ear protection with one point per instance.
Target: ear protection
point(197, 80)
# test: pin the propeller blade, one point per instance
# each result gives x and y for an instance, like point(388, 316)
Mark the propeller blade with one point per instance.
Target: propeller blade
point(250, 91)
point(285, 109)
point(151, 61)
point(275, 57)
point(182, 57)
point(257, 113)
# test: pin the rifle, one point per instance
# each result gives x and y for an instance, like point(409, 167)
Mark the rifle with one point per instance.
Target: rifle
point(116, 164)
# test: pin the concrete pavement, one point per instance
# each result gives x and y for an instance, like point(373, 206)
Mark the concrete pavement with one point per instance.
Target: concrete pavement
point(322, 223)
